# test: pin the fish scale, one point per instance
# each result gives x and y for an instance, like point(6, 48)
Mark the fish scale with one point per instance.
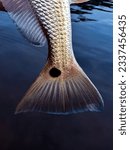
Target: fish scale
point(62, 87)
point(56, 29)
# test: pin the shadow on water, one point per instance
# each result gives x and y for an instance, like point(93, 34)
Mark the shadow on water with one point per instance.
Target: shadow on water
point(20, 64)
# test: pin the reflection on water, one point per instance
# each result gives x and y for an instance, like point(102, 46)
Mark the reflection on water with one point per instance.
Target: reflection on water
point(20, 63)
point(87, 8)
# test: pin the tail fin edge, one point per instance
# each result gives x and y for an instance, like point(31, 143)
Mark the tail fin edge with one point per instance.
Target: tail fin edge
point(62, 95)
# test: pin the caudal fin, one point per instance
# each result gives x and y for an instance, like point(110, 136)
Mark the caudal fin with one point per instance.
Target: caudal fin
point(61, 92)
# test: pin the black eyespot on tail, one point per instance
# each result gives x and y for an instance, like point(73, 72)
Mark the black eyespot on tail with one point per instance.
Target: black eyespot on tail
point(54, 72)
point(50, 94)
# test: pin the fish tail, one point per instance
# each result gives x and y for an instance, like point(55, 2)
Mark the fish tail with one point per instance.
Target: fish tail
point(61, 92)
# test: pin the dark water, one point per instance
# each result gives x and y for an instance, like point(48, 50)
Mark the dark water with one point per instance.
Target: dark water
point(20, 63)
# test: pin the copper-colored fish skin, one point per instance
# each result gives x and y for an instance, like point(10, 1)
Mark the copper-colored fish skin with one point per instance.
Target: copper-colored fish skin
point(62, 86)
point(56, 19)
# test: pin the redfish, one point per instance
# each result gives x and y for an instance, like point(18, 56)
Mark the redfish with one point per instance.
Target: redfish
point(62, 86)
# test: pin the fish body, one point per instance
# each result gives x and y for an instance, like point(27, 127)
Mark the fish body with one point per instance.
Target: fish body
point(56, 21)
point(62, 86)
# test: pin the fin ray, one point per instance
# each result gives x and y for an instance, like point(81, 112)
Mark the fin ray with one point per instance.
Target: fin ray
point(26, 20)
point(61, 95)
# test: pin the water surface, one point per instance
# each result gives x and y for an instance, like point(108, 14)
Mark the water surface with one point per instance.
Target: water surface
point(20, 64)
